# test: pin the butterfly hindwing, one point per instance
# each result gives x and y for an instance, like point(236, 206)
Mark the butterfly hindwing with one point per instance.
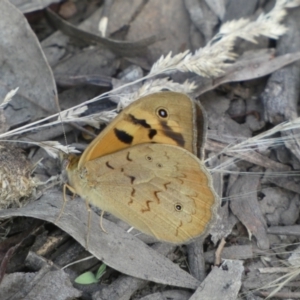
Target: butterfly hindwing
point(162, 190)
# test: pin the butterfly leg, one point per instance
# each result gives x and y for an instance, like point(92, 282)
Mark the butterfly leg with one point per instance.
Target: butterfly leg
point(101, 221)
point(65, 187)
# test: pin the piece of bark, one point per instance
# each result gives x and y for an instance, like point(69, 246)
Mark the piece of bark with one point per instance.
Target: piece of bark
point(196, 259)
point(223, 282)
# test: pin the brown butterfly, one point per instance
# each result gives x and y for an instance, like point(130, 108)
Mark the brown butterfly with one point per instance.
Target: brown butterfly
point(142, 169)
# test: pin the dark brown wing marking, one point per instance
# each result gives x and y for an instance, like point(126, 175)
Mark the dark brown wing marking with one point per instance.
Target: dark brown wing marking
point(175, 136)
point(127, 157)
point(152, 133)
point(123, 136)
point(155, 194)
point(109, 166)
point(133, 192)
point(141, 122)
point(166, 185)
point(132, 178)
point(148, 207)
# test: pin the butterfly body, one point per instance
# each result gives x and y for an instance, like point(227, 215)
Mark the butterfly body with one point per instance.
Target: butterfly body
point(156, 184)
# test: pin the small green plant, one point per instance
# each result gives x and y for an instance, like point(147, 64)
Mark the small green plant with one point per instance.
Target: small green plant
point(89, 277)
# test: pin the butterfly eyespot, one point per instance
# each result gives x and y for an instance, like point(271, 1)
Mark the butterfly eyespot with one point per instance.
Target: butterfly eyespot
point(149, 158)
point(162, 112)
point(178, 207)
point(159, 165)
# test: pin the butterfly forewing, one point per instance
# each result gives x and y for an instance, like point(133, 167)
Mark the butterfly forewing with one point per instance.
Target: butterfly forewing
point(166, 117)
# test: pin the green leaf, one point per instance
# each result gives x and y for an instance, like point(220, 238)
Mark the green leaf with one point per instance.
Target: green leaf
point(101, 271)
point(86, 278)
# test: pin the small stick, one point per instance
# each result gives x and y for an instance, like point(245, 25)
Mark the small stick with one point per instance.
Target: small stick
point(219, 252)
